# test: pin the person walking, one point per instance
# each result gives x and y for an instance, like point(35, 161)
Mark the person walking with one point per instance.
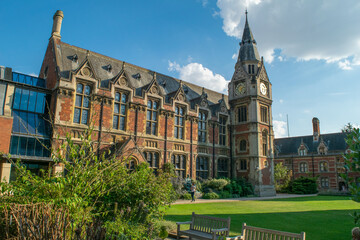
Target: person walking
point(192, 191)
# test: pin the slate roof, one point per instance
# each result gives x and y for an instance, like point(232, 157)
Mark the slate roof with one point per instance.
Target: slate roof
point(248, 48)
point(139, 77)
point(335, 143)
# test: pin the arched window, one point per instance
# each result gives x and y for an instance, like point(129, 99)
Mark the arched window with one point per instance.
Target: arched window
point(131, 164)
point(264, 143)
point(324, 182)
point(324, 166)
point(243, 145)
point(303, 167)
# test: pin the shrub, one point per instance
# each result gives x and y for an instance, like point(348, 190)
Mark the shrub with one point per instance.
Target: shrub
point(225, 194)
point(186, 196)
point(216, 185)
point(303, 185)
point(211, 195)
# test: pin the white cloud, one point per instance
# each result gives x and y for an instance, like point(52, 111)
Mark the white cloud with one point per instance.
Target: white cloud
point(197, 74)
point(281, 101)
point(280, 129)
point(235, 56)
point(302, 29)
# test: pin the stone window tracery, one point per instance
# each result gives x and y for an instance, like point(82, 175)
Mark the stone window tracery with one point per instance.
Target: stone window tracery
point(120, 106)
point(82, 103)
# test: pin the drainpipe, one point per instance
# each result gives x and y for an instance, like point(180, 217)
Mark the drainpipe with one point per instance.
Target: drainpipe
point(136, 119)
point(214, 150)
point(191, 147)
point(231, 152)
point(165, 143)
point(100, 126)
point(313, 165)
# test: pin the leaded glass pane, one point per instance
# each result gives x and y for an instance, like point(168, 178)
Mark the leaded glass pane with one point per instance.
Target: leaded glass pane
point(78, 101)
point(122, 123)
point(86, 102)
point(84, 116)
point(87, 90)
point(155, 105)
point(149, 104)
point(117, 97)
point(116, 108)
point(153, 128)
point(154, 116)
point(123, 110)
point(116, 121)
point(79, 88)
point(77, 115)
point(148, 115)
point(123, 98)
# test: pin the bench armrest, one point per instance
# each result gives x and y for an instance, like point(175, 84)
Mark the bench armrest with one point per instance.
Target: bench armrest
point(188, 222)
point(219, 230)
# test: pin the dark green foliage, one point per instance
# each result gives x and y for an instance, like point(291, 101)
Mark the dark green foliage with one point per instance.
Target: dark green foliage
point(211, 195)
point(225, 194)
point(303, 185)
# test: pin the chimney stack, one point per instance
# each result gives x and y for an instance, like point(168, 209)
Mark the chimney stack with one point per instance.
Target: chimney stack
point(58, 17)
point(316, 129)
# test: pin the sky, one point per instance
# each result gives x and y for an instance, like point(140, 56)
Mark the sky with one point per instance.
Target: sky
point(311, 48)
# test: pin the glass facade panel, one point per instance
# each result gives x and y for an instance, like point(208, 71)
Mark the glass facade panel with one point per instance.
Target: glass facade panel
point(3, 87)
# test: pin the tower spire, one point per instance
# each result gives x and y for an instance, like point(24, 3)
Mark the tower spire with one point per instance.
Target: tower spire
point(248, 48)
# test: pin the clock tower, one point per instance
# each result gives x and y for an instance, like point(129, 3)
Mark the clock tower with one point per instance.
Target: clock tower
point(250, 99)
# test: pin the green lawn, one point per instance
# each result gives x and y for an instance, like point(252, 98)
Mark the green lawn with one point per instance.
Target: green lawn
point(321, 217)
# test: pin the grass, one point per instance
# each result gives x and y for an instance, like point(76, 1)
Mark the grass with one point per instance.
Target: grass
point(321, 217)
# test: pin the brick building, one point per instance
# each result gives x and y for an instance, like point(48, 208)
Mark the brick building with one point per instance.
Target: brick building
point(204, 133)
point(317, 155)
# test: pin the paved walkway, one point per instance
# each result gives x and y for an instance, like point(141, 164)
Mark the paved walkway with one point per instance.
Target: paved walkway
point(280, 195)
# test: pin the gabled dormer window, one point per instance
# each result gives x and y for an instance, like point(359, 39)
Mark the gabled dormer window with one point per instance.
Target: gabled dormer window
point(302, 150)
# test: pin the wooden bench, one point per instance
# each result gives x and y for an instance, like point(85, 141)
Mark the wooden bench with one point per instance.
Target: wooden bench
point(256, 233)
point(205, 227)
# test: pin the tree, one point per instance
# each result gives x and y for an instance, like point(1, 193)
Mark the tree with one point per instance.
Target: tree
point(348, 128)
point(282, 177)
point(352, 163)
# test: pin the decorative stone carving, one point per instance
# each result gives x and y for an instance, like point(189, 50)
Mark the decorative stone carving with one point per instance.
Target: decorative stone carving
point(154, 90)
point(223, 109)
point(86, 71)
point(123, 82)
point(180, 97)
point(203, 103)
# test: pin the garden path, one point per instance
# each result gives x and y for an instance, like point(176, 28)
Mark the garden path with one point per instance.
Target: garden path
point(280, 195)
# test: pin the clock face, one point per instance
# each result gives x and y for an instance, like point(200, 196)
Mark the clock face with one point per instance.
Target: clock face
point(263, 88)
point(241, 88)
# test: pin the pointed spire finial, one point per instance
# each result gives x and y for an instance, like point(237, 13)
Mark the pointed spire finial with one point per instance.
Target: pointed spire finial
point(246, 12)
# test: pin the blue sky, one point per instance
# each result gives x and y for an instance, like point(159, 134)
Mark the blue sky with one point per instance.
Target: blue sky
point(311, 48)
